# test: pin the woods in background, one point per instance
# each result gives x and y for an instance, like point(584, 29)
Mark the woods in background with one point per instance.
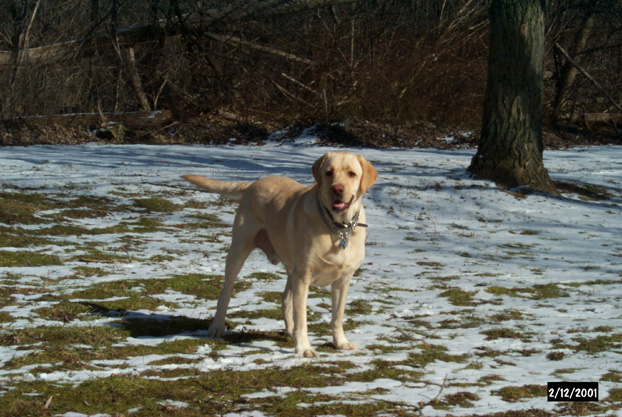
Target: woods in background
point(277, 62)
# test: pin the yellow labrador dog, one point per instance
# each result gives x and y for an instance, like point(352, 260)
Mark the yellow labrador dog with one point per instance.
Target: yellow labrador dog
point(317, 232)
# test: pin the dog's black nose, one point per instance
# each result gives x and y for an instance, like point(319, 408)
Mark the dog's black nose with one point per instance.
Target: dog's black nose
point(338, 189)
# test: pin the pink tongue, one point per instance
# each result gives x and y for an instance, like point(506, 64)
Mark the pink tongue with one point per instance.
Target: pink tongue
point(339, 206)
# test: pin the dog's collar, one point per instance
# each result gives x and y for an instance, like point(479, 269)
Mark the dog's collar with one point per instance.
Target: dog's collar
point(334, 226)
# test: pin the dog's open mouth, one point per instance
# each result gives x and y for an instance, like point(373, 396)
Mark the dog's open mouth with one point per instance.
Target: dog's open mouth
point(340, 206)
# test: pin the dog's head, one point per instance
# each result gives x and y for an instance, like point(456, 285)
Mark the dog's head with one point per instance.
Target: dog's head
point(342, 179)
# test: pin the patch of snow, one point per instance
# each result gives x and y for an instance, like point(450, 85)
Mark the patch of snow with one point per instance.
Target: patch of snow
point(432, 228)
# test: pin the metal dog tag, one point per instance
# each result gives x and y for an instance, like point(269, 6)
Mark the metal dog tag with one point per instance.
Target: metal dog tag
point(344, 242)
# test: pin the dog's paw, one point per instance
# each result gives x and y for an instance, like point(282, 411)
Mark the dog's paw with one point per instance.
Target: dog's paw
point(307, 353)
point(347, 346)
point(216, 330)
point(305, 350)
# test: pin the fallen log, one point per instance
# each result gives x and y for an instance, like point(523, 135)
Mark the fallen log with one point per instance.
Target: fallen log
point(135, 120)
point(589, 119)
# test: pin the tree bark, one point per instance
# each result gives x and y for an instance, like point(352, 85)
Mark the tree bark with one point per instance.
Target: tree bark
point(510, 149)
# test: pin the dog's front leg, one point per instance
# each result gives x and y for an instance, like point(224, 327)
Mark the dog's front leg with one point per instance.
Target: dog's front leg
point(339, 293)
point(300, 287)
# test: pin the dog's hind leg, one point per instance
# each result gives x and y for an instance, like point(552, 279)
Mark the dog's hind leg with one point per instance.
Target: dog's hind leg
point(288, 306)
point(300, 292)
point(242, 244)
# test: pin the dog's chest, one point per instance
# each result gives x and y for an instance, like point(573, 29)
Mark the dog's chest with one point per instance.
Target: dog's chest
point(338, 262)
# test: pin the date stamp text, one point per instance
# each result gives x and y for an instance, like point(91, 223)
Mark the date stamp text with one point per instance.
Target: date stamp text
point(572, 391)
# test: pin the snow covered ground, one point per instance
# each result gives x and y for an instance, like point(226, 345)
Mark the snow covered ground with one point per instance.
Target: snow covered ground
point(479, 295)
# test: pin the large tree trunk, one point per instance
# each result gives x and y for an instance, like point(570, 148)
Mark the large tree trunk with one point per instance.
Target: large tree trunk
point(510, 149)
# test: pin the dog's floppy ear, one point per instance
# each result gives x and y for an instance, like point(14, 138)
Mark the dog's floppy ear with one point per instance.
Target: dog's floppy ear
point(370, 175)
point(317, 167)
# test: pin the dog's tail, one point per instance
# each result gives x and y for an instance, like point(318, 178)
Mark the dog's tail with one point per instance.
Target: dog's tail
point(232, 190)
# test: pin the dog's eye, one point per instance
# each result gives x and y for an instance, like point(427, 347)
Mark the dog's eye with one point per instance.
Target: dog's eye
point(352, 174)
point(329, 173)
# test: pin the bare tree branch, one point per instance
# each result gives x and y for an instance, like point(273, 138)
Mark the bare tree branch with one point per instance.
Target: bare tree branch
point(588, 76)
point(149, 32)
point(263, 48)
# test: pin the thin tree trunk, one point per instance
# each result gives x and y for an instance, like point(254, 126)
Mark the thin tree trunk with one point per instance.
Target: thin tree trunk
point(22, 40)
point(130, 59)
point(19, 53)
point(510, 149)
point(569, 72)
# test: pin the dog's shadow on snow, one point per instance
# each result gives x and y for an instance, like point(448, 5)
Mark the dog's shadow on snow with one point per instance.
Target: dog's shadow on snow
point(162, 326)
